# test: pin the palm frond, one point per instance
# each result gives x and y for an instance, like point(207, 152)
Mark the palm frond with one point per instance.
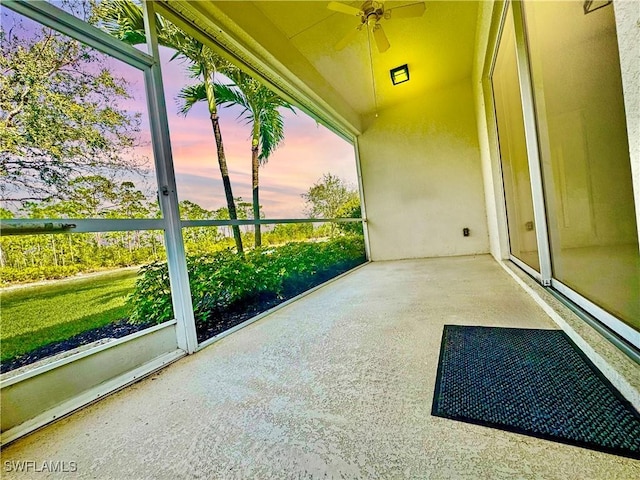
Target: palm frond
point(195, 69)
point(123, 19)
point(190, 95)
point(227, 95)
point(272, 121)
point(271, 132)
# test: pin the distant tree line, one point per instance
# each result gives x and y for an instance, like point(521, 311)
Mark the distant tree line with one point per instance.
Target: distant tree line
point(67, 143)
point(37, 257)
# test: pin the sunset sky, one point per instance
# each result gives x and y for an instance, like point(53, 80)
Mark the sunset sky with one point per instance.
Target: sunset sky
point(309, 149)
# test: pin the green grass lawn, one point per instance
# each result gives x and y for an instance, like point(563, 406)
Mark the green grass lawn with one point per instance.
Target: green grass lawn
point(35, 316)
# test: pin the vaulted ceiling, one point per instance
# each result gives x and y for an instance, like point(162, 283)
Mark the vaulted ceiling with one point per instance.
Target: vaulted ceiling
point(438, 47)
point(301, 35)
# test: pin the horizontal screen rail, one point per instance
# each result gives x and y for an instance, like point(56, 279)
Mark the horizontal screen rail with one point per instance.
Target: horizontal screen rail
point(53, 17)
point(31, 226)
point(28, 228)
point(266, 221)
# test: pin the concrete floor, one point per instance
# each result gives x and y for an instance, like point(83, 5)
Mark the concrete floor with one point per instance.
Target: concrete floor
point(336, 385)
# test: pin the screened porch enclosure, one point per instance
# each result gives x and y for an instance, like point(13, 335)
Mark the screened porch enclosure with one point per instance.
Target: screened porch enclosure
point(497, 187)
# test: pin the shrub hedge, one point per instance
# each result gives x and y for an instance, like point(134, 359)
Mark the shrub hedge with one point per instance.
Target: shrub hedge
point(223, 279)
point(10, 275)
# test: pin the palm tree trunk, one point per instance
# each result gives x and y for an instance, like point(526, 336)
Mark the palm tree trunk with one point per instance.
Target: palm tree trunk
point(255, 164)
point(222, 159)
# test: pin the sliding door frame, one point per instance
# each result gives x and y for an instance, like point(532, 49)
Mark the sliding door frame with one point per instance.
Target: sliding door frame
point(621, 334)
point(533, 152)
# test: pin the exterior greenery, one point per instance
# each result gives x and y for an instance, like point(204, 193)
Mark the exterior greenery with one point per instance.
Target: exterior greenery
point(124, 20)
point(28, 258)
point(330, 197)
point(69, 150)
point(36, 316)
point(60, 114)
point(224, 279)
point(261, 108)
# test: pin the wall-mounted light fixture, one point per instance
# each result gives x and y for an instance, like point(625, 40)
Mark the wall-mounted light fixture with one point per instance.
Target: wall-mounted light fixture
point(399, 74)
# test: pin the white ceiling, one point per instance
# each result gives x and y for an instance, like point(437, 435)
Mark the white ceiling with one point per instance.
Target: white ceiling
point(301, 35)
point(438, 47)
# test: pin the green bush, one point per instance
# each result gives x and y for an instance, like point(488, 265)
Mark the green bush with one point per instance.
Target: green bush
point(151, 298)
point(225, 279)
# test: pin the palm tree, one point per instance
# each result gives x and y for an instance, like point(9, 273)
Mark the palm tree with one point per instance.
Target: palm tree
point(124, 19)
point(260, 108)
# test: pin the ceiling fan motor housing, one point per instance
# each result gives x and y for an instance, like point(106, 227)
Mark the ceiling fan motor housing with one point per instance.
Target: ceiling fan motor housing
point(372, 12)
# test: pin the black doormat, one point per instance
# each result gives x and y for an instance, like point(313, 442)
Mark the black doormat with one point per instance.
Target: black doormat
point(533, 382)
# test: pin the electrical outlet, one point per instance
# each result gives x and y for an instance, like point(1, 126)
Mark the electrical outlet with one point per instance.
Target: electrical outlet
point(528, 226)
point(465, 232)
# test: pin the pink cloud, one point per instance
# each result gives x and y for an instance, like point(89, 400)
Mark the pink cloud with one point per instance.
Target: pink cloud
point(309, 150)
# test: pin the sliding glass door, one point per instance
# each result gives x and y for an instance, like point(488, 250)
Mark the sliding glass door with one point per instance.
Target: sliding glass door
point(569, 62)
point(584, 150)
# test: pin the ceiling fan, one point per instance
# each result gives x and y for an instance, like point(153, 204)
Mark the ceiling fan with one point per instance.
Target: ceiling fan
point(370, 13)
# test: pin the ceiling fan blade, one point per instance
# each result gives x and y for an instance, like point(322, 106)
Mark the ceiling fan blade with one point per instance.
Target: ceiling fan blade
point(342, 8)
point(348, 38)
point(381, 39)
point(407, 11)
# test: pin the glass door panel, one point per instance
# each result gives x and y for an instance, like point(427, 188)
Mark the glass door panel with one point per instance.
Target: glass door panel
point(513, 150)
point(585, 154)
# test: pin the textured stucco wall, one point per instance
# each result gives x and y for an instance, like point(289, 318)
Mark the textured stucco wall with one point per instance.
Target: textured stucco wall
point(627, 14)
point(423, 179)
